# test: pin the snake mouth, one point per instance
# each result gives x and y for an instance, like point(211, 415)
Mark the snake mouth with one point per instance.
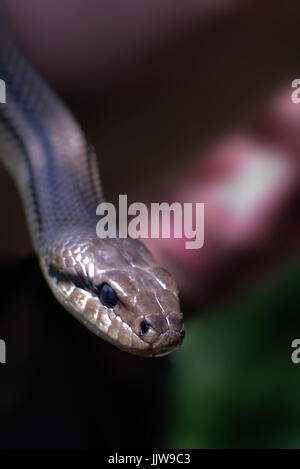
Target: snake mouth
point(166, 343)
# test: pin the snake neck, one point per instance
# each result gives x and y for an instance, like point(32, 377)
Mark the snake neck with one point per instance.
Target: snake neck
point(45, 151)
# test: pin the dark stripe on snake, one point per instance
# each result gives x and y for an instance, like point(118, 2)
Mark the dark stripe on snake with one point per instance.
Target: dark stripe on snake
point(33, 192)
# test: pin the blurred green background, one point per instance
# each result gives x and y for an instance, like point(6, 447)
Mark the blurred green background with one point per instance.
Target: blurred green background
point(234, 384)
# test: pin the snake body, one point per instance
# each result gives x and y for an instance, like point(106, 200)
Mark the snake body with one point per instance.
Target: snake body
point(113, 286)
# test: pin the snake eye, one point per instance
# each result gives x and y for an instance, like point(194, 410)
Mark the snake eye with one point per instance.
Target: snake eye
point(107, 296)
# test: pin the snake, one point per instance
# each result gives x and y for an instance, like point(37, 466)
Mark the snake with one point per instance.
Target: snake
point(113, 286)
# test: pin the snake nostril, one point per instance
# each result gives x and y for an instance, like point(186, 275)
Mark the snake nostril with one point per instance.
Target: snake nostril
point(145, 326)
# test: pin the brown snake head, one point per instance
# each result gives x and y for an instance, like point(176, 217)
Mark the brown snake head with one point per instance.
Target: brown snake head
point(115, 288)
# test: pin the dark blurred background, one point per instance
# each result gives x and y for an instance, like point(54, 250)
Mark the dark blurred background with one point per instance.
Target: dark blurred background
point(186, 101)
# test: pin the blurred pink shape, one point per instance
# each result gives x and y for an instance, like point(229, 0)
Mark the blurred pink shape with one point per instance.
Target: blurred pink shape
point(246, 183)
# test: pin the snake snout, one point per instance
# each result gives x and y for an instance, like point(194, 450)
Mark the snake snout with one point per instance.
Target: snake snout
point(163, 333)
point(156, 322)
point(175, 322)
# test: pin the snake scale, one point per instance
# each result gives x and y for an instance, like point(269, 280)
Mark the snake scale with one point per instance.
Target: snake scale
point(112, 286)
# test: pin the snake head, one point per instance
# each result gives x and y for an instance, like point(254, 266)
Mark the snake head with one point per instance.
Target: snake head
point(115, 288)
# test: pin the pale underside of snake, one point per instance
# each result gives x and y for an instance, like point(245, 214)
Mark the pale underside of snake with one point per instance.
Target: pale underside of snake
point(113, 286)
